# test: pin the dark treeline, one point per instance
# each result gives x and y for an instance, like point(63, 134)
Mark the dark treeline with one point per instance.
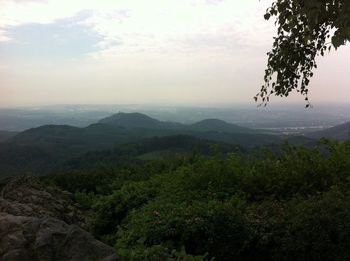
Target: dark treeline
point(287, 204)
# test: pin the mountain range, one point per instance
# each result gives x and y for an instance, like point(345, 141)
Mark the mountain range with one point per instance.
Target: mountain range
point(127, 127)
point(48, 147)
point(339, 132)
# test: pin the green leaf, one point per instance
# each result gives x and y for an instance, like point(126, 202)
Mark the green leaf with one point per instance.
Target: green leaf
point(267, 16)
point(337, 41)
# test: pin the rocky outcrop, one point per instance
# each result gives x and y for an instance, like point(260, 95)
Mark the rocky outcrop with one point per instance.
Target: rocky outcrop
point(26, 196)
point(44, 224)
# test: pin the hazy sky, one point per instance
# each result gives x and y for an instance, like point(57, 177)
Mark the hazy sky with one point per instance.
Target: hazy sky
point(144, 51)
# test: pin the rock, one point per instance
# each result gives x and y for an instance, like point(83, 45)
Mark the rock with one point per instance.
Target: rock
point(44, 239)
point(40, 224)
point(26, 196)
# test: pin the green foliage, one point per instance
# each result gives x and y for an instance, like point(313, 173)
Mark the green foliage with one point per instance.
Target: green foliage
point(215, 227)
point(52, 149)
point(85, 200)
point(320, 225)
point(306, 29)
point(105, 179)
point(295, 170)
point(289, 204)
point(314, 228)
point(110, 211)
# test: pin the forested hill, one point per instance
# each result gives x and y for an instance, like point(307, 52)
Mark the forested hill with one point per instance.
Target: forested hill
point(138, 120)
point(5, 135)
point(220, 126)
point(134, 120)
point(339, 132)
point(128, 127)
point(46, 148)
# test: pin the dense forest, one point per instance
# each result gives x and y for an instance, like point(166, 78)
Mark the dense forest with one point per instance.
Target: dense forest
point(50, 148)
point(285, 203)
point(185, 197)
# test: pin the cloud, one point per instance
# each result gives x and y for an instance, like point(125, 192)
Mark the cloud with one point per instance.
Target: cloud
point(4, 36)
point(132, 50)
point(146, 26)
point(214, 2)
point(49, 42)
point(180, 26)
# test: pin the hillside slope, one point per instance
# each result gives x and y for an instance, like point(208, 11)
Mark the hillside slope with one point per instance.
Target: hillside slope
point(46, 148)
point(220, 126)
point(5, 135)
point(339, 132)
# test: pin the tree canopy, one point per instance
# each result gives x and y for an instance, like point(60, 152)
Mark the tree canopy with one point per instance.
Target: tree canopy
point(305, 30)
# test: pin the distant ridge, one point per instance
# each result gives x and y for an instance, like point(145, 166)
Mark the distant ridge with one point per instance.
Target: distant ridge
point(139, 120)
point(339, 132)
point(220, 126)
point(129, 127)
point(44, 148)
point(131, 120)
point(51, 133)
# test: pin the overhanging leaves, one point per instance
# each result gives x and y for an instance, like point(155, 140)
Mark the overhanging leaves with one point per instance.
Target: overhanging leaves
point(305, 29)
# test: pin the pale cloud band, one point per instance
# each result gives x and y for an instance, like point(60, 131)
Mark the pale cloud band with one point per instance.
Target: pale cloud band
point(138, 51)
point(152, 26)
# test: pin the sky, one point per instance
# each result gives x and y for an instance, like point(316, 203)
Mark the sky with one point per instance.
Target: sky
point(145, 52)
